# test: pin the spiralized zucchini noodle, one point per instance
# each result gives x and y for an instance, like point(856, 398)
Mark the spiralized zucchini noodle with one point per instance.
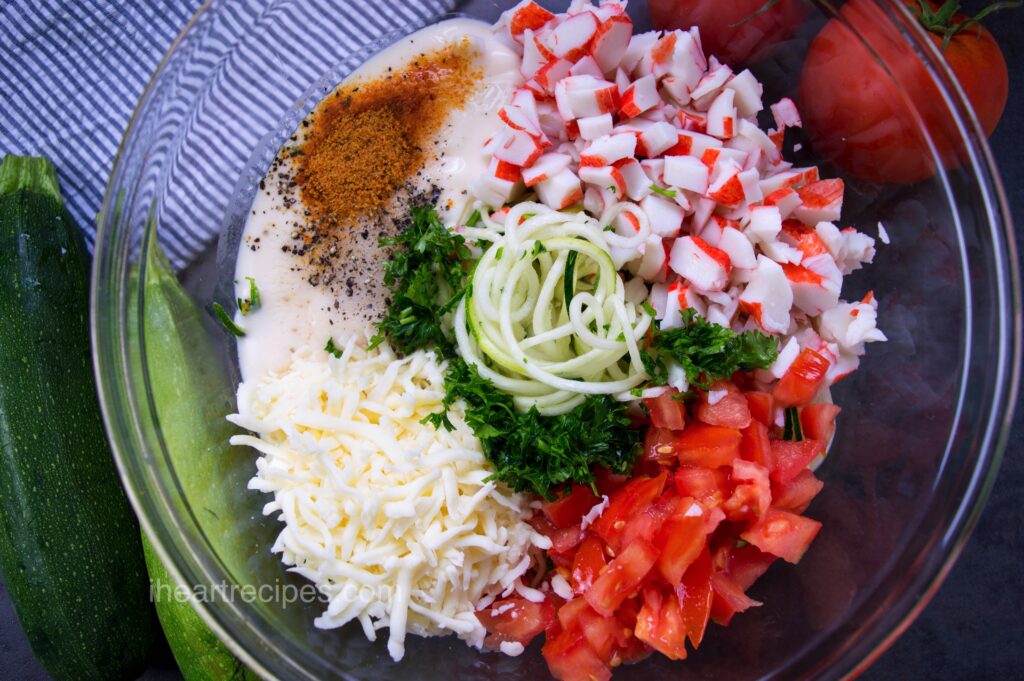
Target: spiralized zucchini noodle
point(546, 317)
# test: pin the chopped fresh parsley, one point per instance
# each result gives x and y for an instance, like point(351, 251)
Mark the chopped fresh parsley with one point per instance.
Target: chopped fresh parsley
point(668, 193)
point(426, 279)
point(226, 320)
point(333, 349)
point(793, 430)
point(253, 302)
point(536, 453)
point(707, 351)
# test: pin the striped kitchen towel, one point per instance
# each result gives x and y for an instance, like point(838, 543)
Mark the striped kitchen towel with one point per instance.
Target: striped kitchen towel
point(71, 73)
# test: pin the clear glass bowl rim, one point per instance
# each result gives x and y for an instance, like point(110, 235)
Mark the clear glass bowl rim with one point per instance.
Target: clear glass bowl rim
point(110, 363)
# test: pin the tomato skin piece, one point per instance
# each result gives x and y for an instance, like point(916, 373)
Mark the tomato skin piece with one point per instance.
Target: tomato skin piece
point(756, 446)
point(624, 575)
point(818, 421)
point(667, 410)
point(587, 564)
point(728, 599)
point(793, 457)
point(706, 485)
point(802, 380)
point(783, 534)
point(708, 446)
point(570, 658)
point(695, 596)
point(761, 406)
point(739, 32)
point(731, 411)
point(624, 503)
point(746, 564)
point(660, 623)
point(796, 494)
point(520, 623)
point(569, 509)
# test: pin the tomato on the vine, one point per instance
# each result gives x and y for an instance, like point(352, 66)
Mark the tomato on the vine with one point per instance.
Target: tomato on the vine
point(864, 119)
point(738, 32)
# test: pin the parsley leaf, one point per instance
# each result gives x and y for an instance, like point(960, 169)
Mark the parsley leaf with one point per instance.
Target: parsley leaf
point(247, 305)
point(536, 453)
point(333, 349)
point(226, 320)
point(707, 351)
point(426, 279)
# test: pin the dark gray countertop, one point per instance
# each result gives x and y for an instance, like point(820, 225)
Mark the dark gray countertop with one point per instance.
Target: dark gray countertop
point(973, 629)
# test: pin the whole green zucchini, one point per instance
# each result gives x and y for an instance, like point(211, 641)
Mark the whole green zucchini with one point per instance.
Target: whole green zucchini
point(70, 549)
point(191, 394)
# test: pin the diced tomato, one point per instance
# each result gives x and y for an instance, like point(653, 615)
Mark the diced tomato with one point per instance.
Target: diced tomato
point(783, 534)
point(708, 446)
point(802, 380)
point(514, 619)
point(746, 564)
point(659, 444)
point(729, 598)
point(762, 406)
point(660, 623)
point(603, 634)
point(709, 486)
point(570, 508)
point(587, 564)
point(752, 494)
point(756, 446)
point(680, 540)
point(566, 539)
point(606, 481)
point(647, 523)
point(624, 503)
point(695, 597)
point(570, 658)
point(731, 411)
point(796, 495)
point(667, 410)
point(631, 649)
point(622, 577)
point(791, 458)
point(818, 421)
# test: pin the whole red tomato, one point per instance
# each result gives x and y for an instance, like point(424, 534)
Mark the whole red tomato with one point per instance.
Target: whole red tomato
point(723, 31)
point(870, 122)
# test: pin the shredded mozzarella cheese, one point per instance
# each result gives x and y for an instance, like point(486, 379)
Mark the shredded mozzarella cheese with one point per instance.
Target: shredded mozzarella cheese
point(393, 520)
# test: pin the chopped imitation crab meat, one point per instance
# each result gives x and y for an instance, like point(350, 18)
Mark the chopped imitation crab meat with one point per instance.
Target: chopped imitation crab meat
point(768, 297)
point(606, 117)
point(700, 263)
point(661, 143)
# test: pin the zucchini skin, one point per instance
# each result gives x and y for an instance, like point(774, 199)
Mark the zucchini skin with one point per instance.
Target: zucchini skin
point(70, 548)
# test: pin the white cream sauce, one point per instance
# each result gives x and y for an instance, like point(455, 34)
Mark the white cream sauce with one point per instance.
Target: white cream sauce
point(293, 312)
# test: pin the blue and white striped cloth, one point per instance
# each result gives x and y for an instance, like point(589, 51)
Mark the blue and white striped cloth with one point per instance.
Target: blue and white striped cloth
point(71, 73)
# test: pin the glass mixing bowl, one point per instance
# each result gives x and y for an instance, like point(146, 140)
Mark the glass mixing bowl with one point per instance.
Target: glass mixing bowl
point(924, 420)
